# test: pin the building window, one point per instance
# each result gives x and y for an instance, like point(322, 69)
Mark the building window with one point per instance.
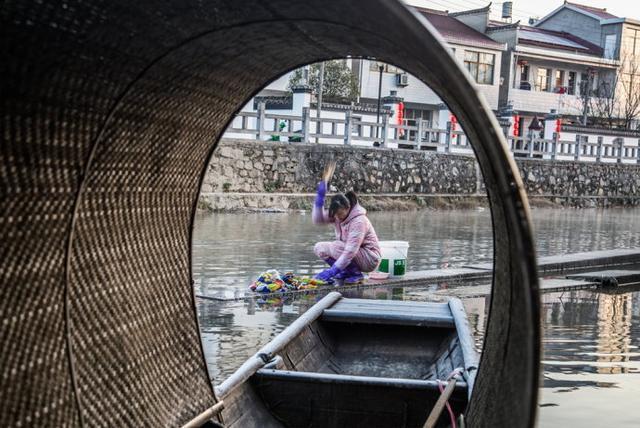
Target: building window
point(571, 87)
point(584, 83)
point(543, 81)
point(480, 66)
point(634, 50)
point(588, 83)
point(524, 78)
point(610, 46)
point(387, 68)
point(559, 88)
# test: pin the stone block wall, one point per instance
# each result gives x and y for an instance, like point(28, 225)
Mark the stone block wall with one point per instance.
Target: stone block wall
point(257, 175)
point(267, 167)
point(609, 183)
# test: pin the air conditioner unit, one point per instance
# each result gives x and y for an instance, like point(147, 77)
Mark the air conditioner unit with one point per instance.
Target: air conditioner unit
point(402, 79)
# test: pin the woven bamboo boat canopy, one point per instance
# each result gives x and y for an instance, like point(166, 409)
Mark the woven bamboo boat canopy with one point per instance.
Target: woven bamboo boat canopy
point(110, 112)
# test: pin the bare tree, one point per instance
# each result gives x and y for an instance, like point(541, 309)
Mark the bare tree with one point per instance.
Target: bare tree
point(616, 101)
point(603, 102)
point(630, 88)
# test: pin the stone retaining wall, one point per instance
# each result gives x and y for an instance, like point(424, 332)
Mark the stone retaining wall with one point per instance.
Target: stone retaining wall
point(274, 175)
point(265, 167)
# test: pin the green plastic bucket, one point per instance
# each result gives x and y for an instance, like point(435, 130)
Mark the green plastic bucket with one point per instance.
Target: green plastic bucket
point(394, 257)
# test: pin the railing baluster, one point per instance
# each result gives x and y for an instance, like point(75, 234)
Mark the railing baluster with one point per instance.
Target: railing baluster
point(347, 127)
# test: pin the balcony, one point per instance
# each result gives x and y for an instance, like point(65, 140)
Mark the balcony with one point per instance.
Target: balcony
point(528, 99)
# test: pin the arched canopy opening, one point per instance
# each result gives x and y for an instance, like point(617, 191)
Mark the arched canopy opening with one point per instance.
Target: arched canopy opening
point(110, 114)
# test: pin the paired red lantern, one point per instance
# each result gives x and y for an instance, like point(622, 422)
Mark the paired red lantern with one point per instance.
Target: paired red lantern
point(516, 125)
point(454, 122)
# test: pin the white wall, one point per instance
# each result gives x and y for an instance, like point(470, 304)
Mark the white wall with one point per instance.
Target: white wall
point(543, 102)
point(281, 83)
point(417, 91)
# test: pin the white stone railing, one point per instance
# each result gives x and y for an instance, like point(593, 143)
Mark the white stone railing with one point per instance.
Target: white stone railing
point(577, 145)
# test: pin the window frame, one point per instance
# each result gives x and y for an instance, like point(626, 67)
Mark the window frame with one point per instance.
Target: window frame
point(474, 66)
point(571, 83)
point(547, 79)
point(558, 76)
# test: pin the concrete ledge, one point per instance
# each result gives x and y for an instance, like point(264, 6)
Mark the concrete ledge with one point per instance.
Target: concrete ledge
point(285, 202)
point(546, 265)
point(570, 262)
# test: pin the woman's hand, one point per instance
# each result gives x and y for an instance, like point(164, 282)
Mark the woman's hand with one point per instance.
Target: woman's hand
point(321, 193)
point(328, 274)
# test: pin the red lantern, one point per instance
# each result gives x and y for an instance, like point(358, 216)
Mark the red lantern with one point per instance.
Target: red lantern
point(400, 118)
point(516, 126)
point(558, 127)
point(453, 121)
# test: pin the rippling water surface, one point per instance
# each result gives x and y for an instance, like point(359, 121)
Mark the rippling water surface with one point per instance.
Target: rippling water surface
point(592, 360)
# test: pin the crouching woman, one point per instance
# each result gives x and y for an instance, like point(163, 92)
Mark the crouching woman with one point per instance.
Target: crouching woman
point(356, 248)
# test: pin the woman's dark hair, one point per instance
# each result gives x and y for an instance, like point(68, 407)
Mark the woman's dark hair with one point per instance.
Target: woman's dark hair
point(338, 201)
point(353, 199)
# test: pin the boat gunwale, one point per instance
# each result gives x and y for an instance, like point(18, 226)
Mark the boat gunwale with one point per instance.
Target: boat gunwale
point(426, 384)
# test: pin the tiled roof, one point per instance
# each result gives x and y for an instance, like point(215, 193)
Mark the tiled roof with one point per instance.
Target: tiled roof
point(455, 31)
point(556, 39)
point(601, 13)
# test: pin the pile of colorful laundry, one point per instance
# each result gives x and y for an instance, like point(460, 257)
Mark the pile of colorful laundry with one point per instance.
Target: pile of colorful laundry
point(271, 281)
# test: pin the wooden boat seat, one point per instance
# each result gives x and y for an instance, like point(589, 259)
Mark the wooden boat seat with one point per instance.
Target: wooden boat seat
point(420, 314)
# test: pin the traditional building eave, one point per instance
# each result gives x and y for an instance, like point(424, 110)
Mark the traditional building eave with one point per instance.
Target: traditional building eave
point(564, 56)
point(620, 21)
point(463, 42)
point(472, 11)
point(505, 27)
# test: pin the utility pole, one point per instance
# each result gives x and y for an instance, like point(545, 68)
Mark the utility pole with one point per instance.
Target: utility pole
point(319, 100)
point(380, 69)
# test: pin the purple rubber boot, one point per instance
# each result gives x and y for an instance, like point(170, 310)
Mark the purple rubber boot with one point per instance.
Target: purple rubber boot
point(352, 274)
point(340, 276)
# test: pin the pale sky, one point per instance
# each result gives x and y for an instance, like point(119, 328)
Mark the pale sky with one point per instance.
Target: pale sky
point(522, 9)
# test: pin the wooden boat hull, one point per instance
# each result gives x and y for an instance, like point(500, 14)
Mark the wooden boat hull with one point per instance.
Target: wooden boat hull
point(359, 363)
point(320, 400)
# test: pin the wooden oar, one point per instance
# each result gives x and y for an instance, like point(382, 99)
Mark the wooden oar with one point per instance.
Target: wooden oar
point(439, 406)
point(329, 169)
point(203, 417)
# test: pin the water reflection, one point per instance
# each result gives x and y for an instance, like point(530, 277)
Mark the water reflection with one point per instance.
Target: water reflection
point(230, 250)
point(591, 366)
point(591, 362)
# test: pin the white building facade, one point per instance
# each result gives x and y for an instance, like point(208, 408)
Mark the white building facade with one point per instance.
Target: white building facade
point(480, 55)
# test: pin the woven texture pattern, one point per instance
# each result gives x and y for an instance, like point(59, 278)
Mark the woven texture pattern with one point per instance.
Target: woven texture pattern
point(110, 112)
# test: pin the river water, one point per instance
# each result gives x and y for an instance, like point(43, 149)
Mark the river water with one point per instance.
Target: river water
point(591, 362)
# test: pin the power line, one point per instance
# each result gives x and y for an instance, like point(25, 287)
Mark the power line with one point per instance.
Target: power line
point(478, 4)
point(458, 7)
